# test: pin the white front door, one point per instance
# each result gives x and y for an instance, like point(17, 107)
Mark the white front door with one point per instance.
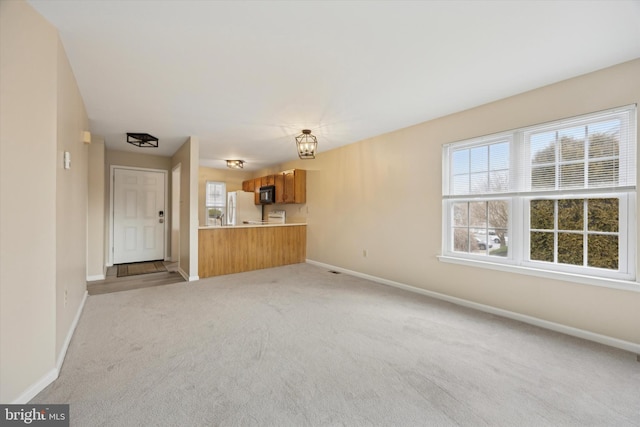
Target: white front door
point(138, 215)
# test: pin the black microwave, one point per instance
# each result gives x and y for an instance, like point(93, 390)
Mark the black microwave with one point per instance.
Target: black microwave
point(267, 194)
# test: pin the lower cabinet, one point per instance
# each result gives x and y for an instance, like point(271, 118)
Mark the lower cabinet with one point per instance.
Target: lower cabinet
point(227, 250)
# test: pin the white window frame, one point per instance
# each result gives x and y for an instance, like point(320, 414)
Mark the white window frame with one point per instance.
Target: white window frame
point(207, 205)
point(623, 239)
point(517, 259)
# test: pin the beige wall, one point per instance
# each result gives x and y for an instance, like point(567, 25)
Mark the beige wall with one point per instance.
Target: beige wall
point(96, 230)
point(136, 160)
point(187, 158)
point(71, 201)
point(42, 116)
point(232, 178)
point(384, 195)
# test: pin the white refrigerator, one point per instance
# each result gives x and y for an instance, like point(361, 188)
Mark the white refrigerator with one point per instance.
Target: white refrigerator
point(241, 207)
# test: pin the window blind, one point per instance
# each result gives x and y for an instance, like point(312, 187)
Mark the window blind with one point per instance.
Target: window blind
point(216, 194)
point(481, 168)
point(586, 153)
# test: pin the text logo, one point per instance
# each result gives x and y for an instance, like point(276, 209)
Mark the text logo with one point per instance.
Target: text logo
point(34, 415)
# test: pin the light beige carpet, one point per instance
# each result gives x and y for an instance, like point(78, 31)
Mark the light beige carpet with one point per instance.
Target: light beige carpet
point(137, 268)
point(300, 346)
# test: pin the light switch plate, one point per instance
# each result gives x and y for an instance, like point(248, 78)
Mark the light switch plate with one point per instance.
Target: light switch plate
point(67, 160)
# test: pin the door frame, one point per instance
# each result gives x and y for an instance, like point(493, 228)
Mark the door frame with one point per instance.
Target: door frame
point(112, 208)
point(175, 212)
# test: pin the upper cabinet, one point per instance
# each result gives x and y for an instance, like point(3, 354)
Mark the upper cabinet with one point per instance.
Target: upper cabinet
point(257, 183)
point(268, 180)
point(295, 186)
point(291, 186)
point(248, 185)
point(279, 183)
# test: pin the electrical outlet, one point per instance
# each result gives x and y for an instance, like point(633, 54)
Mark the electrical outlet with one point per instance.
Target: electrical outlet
point(365, 253)
point(65, 297)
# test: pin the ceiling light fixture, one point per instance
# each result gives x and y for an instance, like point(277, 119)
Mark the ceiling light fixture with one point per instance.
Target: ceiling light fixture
point(307, 145)
point(142, 140)
point(235, 164)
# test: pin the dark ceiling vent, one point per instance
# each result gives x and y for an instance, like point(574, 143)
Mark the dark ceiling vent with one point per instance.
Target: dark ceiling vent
point(142, 140)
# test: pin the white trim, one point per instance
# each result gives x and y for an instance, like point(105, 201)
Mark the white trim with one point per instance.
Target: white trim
point(72, 329)
point(176, 179)
point(186, 277)
point(36, 388)
point(624, 285)
point(96, 277)
point(545, 324)
point(53, 374)
point(521, 193)
point(110, 216)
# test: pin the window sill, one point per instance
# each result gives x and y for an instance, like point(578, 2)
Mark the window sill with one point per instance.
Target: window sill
point(625, 285)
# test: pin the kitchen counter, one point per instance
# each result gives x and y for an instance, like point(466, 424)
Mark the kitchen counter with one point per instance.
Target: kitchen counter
point(246, 247)
point(264, 224)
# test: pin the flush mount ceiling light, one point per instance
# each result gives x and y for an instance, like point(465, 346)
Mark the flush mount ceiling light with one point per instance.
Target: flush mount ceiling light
point(142, 140)
point(307, 145)
point(235, 164)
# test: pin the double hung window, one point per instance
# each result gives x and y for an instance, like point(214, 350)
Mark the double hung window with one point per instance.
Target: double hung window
point(558, 196)
point(215, 202)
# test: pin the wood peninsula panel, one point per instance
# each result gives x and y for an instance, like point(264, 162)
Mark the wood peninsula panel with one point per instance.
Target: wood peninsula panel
point(228, 250)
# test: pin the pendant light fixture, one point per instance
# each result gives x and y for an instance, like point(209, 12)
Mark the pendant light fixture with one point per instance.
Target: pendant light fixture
point(307, 145)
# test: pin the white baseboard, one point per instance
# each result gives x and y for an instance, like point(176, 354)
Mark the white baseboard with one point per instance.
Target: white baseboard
point(96, 277)
point(37, 387)
point(557, 327)
point(72, 329)
point(52, 375)
point(186, 276)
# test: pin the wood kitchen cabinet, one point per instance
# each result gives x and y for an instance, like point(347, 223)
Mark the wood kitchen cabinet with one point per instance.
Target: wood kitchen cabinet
point(279, 184)
point(291, 186)
point(268, 180)
point(257, 183)
point(248, 185)
point(295, 186)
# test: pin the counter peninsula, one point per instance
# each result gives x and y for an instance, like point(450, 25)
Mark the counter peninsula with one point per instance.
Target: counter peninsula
point(246, 247)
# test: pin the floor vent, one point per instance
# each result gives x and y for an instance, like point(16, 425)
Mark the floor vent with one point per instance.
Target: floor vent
point(334, 272)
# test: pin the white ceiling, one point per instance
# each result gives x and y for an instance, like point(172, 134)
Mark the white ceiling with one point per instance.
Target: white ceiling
point(247, 76)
